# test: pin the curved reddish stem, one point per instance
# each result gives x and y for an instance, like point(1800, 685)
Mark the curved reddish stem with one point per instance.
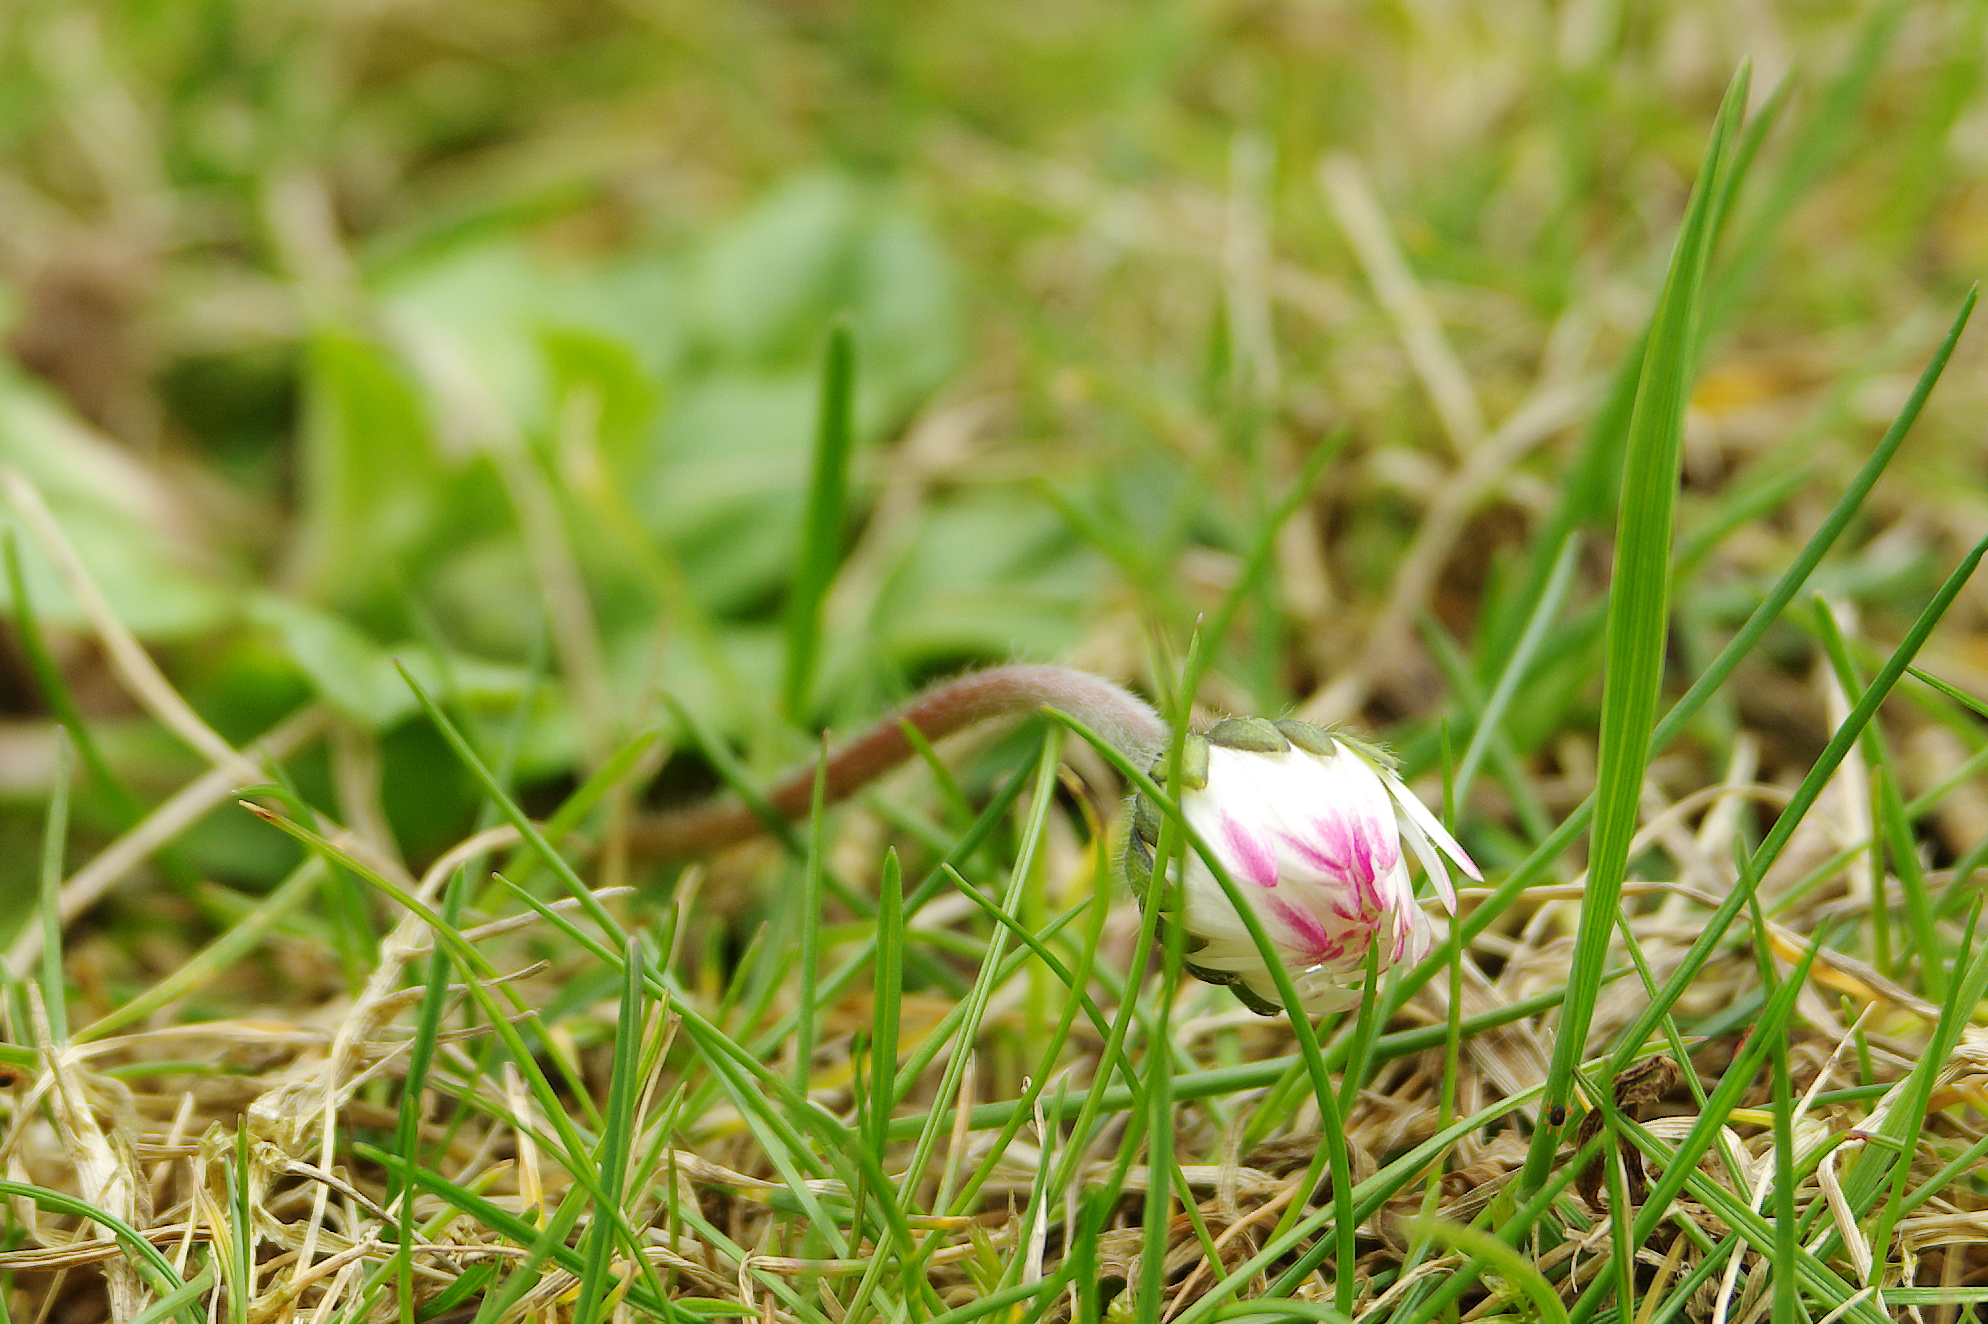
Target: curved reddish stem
point(1121, 717)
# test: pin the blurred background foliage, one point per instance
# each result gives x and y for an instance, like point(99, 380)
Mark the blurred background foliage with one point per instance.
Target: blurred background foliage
point(487, 335)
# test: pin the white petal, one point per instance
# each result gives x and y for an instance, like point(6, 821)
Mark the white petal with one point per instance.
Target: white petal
point(1418, 814)
point(1432, 862)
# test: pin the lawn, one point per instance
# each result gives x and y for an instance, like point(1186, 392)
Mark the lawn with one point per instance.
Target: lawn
point(458, 459)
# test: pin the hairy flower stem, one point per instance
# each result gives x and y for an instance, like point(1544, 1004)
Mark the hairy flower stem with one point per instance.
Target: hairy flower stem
point(1121, 717)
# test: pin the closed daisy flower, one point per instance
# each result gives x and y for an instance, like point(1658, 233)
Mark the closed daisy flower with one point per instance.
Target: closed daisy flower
point(1309, 825)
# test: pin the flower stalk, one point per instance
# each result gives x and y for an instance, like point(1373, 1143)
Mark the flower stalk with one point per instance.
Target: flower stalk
point(1307, 823)
point(1115, 713)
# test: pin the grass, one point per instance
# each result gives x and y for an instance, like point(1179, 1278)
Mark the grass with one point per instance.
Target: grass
point(470, 469)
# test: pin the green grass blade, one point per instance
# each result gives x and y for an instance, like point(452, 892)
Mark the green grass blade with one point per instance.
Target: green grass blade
point(1904, 1123)
point(888, 995)
point(1742, 645)
point(1799, 804)
point(494, 788)
point(240, 1276)
point(617, 1138)
point(413, 1098)
point(1545, 609)
point(1639, 604)
point(820, 550)
point(149, 1260)
point(214, 959)
point(808, 901)
point(1894, 832)
point(54, 847)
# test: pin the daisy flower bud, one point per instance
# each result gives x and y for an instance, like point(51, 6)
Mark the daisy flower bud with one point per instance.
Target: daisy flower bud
point(1309, 825)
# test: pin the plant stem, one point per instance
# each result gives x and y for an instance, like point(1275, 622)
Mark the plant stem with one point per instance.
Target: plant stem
point(1122, 717)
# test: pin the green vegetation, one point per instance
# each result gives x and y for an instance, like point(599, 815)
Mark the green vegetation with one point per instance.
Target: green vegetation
point(435, 437)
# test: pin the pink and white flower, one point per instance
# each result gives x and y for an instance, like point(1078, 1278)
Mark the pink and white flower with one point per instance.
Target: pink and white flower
point(1309, 825)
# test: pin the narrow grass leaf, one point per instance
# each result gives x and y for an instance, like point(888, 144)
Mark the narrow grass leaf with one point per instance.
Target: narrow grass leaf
point(617, 1137)
point(820, 550)
point(149, 1260)
point(414, 1096)
point(494, 788)
point(241, 1246)
point(1741, 646)
point(1503, 1259)
point(809, 922)
point(1894, 831)
point(1639, 605)
point(1551, 596)
point(1804, 798)
point(54, 846)
point(1904, 1123)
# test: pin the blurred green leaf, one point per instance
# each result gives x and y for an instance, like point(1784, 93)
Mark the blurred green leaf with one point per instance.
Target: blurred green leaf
point(357, 676)
point(371, 477)
point(141, 544)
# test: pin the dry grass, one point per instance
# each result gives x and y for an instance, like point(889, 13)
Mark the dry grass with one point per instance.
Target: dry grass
point(1198, 252)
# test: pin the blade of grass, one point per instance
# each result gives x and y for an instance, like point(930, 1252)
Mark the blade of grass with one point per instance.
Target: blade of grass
point(889, 994)
point(1545, 609)
point(886, 997)
point(1157, 1210)
point(494, 788)
point(238, 1173)
point(1894, 832)
point(1714, 676)
point(1639, 607)
point(809, 903)
point(820, 550)
point(1905, 1122)
point(413, 1098)
point(1804, 798)
point(54, 845)
point(1218, 1081)
point(595, 1296)
point(151, 1263)
point(1787, 1306)
point(219, 955)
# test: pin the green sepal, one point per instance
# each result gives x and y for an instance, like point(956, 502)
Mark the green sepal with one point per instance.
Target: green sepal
point(1146, 821)
point(1193, 764)
point(1139, 867)
point(1254, 735)
point(1326, 741)
point(1232, 981)
point(1310, 737)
